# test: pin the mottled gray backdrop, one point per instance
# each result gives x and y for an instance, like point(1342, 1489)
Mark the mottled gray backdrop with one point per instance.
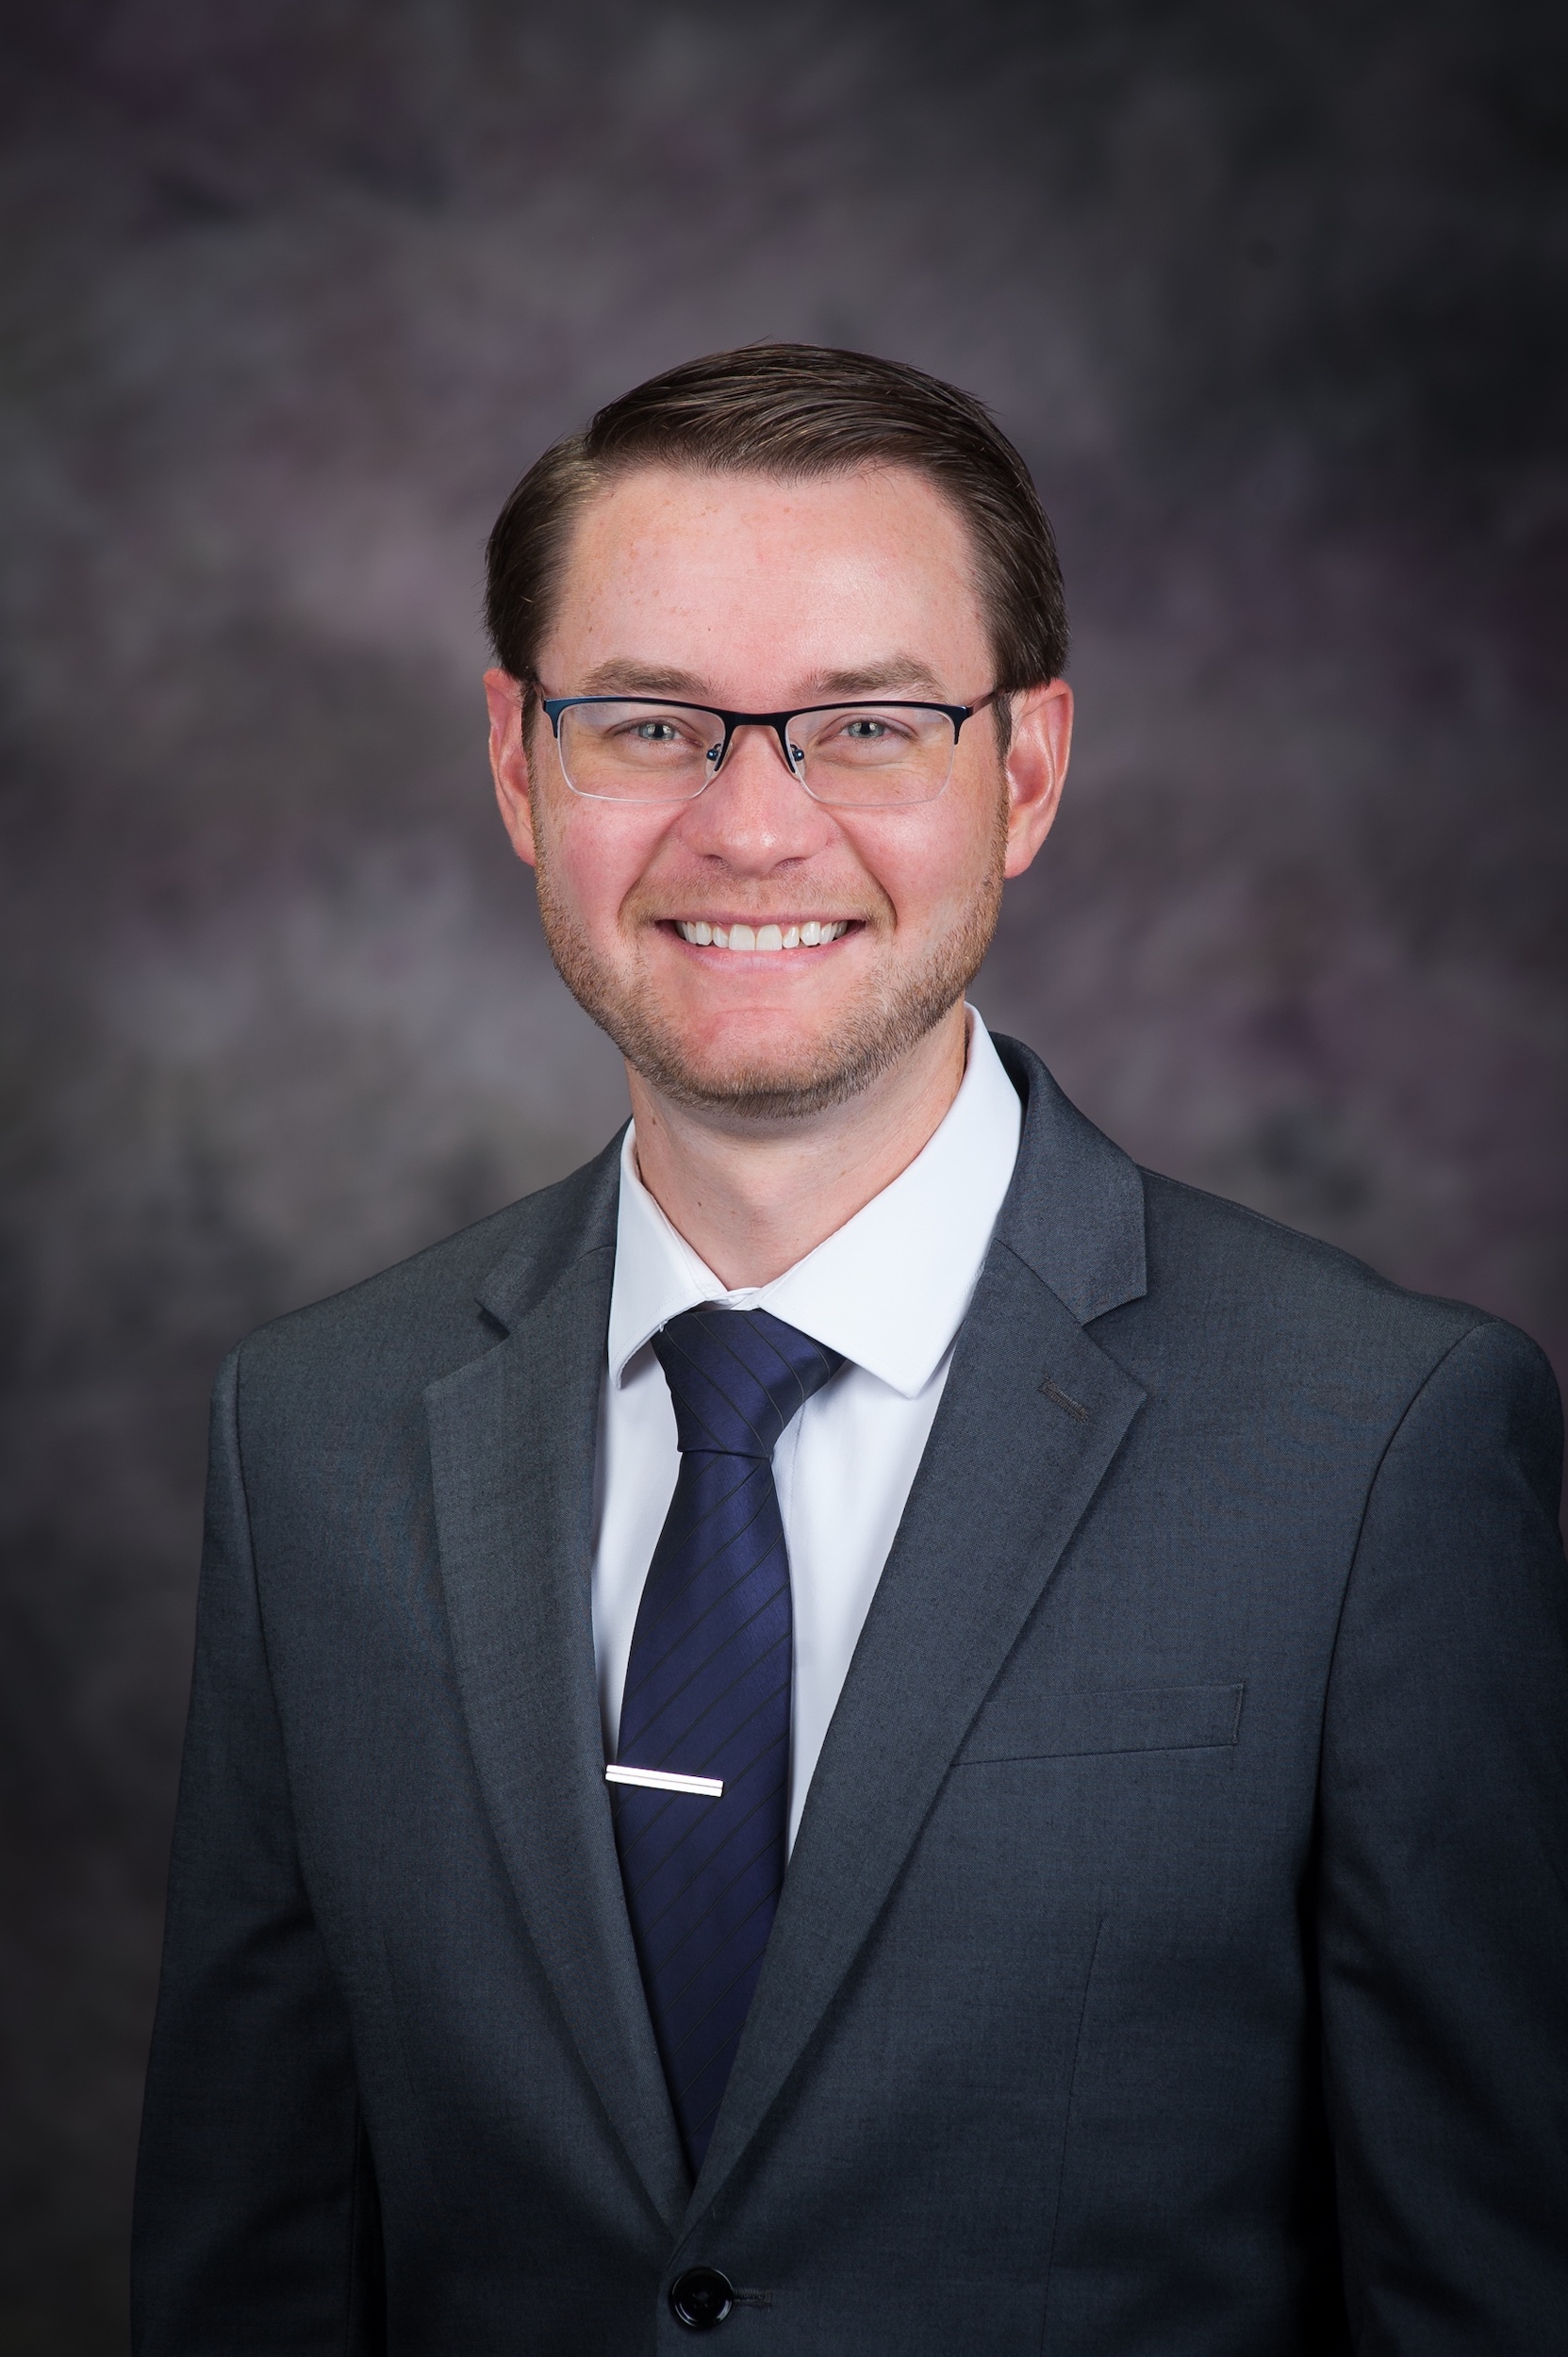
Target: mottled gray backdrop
point(1272, 298)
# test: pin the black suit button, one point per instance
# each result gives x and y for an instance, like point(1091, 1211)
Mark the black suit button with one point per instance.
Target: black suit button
point(701, 2298)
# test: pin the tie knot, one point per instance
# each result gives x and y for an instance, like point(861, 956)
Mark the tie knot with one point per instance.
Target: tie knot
point(736, 1376)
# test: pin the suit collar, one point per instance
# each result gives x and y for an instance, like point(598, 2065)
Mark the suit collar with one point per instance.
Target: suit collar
point(1075, 1211)
point(564, 1223)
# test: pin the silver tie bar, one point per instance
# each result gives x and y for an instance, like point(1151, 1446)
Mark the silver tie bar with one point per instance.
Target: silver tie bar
point(666, 1780)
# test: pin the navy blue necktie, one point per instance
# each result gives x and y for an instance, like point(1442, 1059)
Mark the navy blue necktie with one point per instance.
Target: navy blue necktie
point(708, 1696)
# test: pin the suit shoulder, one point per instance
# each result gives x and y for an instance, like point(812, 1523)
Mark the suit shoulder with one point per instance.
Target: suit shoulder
point(1239, 1267)
point(423, 1315)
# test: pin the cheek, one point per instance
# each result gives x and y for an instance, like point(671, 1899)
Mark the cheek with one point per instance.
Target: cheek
point(933, 876)
point(594, 859)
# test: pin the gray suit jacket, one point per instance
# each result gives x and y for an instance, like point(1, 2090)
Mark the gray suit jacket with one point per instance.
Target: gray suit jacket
point(1174, 1955)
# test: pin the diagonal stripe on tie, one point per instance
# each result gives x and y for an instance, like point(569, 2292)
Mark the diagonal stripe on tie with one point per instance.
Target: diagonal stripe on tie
point(707, 1693)
point(679, 1828)
point(699, 1610)
point(680, 1698)
point(724, 1559)
point(683, 1856)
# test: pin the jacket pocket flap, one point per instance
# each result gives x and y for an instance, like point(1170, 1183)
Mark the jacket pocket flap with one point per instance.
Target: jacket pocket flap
point(1124, 1719)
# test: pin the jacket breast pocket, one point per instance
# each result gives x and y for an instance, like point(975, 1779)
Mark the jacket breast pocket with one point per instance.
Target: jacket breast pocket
point(1066, 1725)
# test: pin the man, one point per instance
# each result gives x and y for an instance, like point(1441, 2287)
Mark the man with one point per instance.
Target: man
point(861, 1726)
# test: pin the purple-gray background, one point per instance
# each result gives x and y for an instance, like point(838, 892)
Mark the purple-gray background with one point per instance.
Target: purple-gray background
point(1272, 299)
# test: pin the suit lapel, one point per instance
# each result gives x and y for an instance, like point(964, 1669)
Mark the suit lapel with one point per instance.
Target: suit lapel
point(512, 1438)
point(1032, 1417)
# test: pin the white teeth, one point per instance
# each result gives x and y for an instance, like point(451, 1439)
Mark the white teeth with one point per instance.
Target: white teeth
point(811, 935)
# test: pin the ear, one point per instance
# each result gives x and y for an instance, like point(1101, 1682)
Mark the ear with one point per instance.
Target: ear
point(509, 762)
point(1036, 768)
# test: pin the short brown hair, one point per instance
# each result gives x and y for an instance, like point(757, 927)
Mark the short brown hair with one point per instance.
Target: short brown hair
point(794, 411)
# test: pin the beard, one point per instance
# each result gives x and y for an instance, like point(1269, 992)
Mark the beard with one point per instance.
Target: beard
point(896, 1012)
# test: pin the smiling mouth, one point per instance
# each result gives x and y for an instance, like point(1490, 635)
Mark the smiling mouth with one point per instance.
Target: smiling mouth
point(814, 935)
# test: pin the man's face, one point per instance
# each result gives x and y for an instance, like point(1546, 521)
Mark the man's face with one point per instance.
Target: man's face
point(749, 594)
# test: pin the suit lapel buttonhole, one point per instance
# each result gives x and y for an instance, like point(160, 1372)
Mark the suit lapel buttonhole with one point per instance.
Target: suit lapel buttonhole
point(1065, 1400)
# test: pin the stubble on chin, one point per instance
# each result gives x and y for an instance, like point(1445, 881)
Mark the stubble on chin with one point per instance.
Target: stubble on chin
point(895, 1012)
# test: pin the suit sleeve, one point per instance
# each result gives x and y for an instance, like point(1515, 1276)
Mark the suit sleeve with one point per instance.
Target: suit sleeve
point(256, 2223)
point(1443, 1875)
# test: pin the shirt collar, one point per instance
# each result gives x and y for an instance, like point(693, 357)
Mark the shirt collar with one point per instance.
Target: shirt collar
point(854, 1293)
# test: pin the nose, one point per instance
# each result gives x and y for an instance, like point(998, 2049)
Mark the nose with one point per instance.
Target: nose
point(754, 816)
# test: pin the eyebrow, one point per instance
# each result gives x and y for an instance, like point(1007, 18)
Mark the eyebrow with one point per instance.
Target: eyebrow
point(619, 677)
point(876, 679)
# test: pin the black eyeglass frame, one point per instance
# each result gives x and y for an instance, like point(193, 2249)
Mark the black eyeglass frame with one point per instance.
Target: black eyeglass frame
point(552, 707)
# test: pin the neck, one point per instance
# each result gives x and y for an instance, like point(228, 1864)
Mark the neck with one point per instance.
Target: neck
point(752, 1198)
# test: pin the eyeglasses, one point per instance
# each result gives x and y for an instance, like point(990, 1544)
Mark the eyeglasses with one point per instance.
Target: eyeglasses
point(850, 756)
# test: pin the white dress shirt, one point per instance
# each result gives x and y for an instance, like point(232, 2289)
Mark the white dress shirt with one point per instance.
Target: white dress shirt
point(888, 1289)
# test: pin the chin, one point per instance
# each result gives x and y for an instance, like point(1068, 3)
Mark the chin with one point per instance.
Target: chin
point(788, 1077)
point(788, 1082)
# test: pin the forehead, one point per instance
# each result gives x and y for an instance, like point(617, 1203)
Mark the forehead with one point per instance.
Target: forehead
point(747, 577)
